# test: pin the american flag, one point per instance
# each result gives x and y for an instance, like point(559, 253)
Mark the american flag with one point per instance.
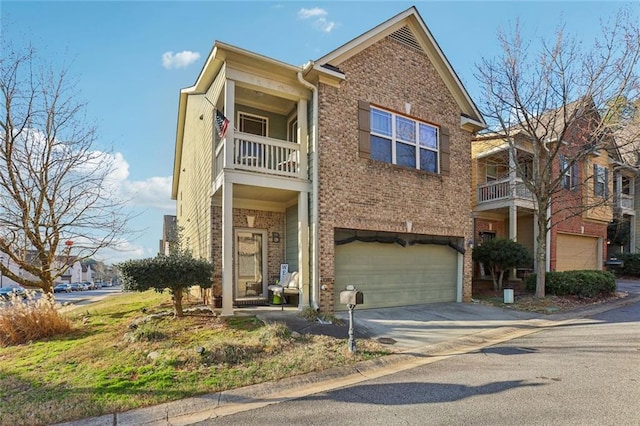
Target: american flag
point(221, 124)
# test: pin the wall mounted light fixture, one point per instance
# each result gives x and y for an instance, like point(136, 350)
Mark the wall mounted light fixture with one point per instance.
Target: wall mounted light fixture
point(275, 237)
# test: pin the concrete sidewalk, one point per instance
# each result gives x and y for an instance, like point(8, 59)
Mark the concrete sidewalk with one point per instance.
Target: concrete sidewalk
point(423, 334)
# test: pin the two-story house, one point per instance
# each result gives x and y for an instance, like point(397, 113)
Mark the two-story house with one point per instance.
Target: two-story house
point(354, 169)
point(580, 210)
point(624, 230)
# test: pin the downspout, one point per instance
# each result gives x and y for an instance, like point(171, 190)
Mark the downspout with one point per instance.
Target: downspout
point(315, 269)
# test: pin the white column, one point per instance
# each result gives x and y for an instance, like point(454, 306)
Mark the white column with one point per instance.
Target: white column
point(303, 247)
point(632, 234)
point(303, 137)
point(513, 231)
point(227, 248)
point(536, 231)
point(229, 112)
point(459, 281)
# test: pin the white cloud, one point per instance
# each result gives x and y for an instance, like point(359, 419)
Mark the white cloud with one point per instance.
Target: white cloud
point(179, 60)
point(311, 13)
point(154, 192)
point(318, 15)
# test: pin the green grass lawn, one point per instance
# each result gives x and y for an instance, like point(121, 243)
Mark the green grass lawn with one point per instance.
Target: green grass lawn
point(124, 352)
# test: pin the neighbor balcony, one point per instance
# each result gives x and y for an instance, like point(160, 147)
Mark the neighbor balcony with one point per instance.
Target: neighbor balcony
point(625, 203)
point(500, 193)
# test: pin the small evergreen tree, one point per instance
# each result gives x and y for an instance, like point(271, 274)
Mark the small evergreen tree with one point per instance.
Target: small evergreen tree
point(500, 255)
point(175, 273)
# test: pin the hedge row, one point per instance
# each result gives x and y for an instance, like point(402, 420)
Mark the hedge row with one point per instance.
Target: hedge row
point(631, 266)
point(578, 283)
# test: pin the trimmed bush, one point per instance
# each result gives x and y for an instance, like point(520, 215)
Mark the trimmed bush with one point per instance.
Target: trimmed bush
point(577, 283)
point(631, 266)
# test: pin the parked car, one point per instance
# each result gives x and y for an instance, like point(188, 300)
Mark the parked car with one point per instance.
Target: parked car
point(62, 288)
point(89, 285)
point(5, 292)
point(78, 287)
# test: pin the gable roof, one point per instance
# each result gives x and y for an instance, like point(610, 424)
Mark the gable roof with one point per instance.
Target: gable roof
point(409, 29)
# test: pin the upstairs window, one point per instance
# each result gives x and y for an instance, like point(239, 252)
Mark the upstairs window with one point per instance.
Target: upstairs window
point(570, 177)
point(253, 124)
point(404, 141)
point(600, 181)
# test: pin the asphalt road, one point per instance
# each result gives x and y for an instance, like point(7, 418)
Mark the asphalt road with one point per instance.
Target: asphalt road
point(583, 373)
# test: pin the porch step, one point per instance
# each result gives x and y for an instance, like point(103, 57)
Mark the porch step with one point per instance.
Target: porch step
point(252, 301)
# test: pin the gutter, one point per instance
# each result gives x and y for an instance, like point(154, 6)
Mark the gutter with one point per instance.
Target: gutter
point(315, 270)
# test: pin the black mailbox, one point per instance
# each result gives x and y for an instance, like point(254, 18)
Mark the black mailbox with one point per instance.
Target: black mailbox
point(351, 297)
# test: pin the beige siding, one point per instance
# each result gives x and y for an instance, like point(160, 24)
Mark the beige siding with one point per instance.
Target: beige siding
point(604, 207)
point(194, 189)
point(525, 232)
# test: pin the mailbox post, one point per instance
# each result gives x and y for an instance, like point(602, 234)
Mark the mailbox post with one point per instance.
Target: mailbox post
point(351, 297)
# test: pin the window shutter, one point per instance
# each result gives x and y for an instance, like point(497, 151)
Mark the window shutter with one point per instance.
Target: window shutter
point(595, 179)
point(364, 129)
point(606, 182)
point(574, 176)
point(445, 167)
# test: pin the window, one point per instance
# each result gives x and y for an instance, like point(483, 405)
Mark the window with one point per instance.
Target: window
point(600, 180)
point(492, 172)
point(253, 124)
point(570, 178)
point(404, 141)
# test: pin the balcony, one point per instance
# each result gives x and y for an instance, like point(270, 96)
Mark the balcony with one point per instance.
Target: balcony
point(500, 192)
point(260, 155)
point(625, 203)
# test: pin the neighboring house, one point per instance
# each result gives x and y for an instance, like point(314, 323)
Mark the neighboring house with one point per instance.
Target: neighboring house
point(353, 169)
point(169, 234)
point(624, 230)
point(504, 207)
point(72, 269)
point(12, 266)
point(87, 273)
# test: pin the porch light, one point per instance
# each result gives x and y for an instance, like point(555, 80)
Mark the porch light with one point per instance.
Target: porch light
point(275, 237)
point(250, 221)
point(409, 226)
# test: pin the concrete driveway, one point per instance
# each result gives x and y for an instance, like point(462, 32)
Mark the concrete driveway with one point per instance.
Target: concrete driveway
point(406, 327)
point(409, 327)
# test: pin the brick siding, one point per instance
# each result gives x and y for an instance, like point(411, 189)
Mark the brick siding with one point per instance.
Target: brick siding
point(358, 193)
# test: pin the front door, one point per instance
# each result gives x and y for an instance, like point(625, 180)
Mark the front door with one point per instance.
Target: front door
point(251, 263)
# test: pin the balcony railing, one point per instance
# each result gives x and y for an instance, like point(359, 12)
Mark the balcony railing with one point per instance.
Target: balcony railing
point(260, 154)
point(501, 190)
point(625, 201)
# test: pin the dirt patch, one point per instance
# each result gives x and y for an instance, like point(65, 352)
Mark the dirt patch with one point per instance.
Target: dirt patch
point(548, 305)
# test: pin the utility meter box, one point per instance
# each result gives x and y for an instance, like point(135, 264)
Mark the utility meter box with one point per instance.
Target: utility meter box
point(351, 297)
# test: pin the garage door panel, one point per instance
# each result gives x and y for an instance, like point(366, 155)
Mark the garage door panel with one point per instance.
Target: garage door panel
point(576, 252)
point(391, 275)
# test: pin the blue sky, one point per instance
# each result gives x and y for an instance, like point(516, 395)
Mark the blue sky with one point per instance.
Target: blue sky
point(132, 58)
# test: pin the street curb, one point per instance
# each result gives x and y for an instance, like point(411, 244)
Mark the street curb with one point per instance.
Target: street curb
point(201, 408)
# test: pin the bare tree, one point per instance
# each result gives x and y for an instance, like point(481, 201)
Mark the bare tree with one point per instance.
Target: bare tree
point(57, 199)
point(556, 101)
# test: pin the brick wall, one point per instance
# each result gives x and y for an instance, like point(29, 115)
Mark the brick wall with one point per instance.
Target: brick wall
point(358, 193)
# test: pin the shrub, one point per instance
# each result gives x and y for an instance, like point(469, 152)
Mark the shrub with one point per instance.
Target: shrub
point(631, 266)
point(22, 321)
point(499, 255)
point(577, 283)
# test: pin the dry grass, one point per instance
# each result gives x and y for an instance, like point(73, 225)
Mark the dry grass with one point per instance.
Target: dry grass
point(30, 319)
point(125, 352)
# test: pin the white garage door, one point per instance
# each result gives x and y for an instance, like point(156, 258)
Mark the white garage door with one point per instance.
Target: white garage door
point(392, 275)
point(576, 252)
